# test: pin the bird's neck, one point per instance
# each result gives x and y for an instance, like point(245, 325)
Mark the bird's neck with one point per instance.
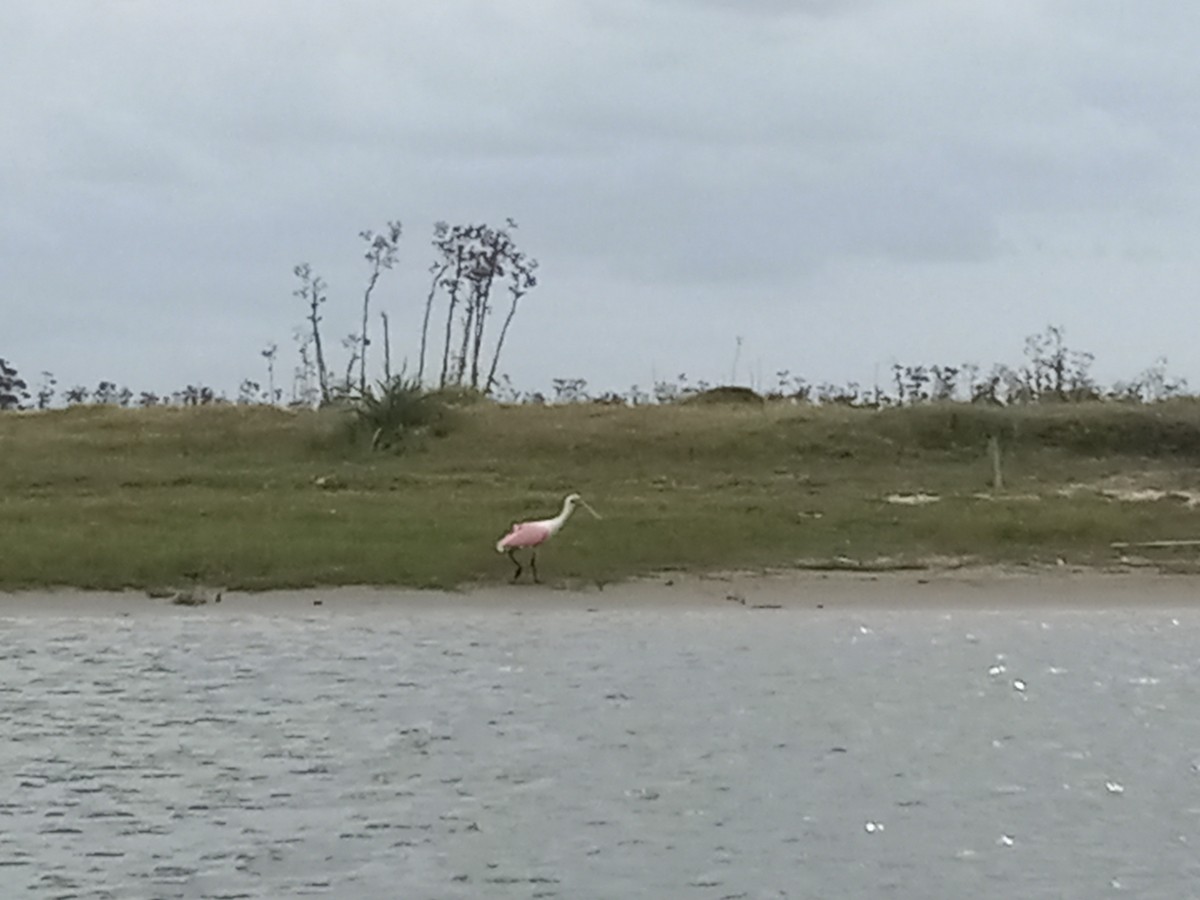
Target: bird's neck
point(558, 521)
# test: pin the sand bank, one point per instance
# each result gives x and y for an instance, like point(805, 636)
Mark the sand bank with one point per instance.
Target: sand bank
point(963, 588)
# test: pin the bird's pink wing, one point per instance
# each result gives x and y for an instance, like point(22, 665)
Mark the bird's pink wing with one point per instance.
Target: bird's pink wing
point(524, 534)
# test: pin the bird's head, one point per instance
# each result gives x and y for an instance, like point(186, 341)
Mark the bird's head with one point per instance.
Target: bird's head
point(574, 499)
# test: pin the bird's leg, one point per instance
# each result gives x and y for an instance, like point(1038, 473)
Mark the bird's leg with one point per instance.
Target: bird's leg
point(512, 554)
point(533, 566)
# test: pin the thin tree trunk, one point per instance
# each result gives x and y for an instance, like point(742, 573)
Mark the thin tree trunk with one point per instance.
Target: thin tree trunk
point(468, 320)
point(438, 273)
point(362, 359)
point(322, 380)
point(480, 319)
point(485, 291)
point(306, 369)
point(446, 346)
point(454, 288)
point(512, 311)
point(387, 350)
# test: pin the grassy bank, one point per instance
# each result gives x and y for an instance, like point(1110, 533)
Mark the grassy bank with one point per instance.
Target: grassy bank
point(254, 497)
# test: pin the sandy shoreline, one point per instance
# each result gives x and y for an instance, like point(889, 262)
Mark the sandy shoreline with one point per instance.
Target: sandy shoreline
point(966, 588)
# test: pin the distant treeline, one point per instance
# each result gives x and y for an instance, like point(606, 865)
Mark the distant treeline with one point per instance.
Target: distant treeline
point(1051, 372)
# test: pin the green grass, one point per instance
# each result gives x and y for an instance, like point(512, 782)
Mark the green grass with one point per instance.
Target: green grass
point(259, 498)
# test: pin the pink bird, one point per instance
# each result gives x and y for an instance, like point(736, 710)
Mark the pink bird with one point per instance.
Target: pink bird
point(531, 534)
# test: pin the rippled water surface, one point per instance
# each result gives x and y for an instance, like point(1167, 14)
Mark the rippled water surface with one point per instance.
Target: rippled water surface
point(708, 753)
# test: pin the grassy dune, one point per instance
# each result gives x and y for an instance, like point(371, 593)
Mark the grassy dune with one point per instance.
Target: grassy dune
point(252, 497)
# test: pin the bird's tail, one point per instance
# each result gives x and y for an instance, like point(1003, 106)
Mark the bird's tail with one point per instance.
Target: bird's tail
point(502, 544)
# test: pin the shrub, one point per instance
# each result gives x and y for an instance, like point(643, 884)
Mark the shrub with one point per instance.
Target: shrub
point(1166, 428)
point(397, 412)
point(728, 394)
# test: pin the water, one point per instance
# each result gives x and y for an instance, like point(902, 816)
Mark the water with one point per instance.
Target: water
point(713, 752)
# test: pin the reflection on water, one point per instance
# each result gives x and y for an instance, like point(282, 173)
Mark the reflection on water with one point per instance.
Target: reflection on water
point(729, 753)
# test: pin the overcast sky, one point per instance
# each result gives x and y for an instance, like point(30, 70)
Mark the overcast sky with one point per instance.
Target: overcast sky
point(843, 184)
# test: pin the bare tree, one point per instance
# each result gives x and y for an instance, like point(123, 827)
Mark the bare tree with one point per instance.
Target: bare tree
point(45, 394)
point(354, 344)
point(106, 393)
point(490, 259)
point(475, 258)
point(382, 250)
point(452, 243)
point(303, 391)
point(269, 355)
point(1056, 372)
point(438, 271)
point(13, 389)
point(945, 382)
point(312, 291)
point(1151, 385)
point(195, 395)
point(522, 279)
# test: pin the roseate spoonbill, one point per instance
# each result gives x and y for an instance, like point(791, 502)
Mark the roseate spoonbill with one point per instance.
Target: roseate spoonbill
point(531, 534)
